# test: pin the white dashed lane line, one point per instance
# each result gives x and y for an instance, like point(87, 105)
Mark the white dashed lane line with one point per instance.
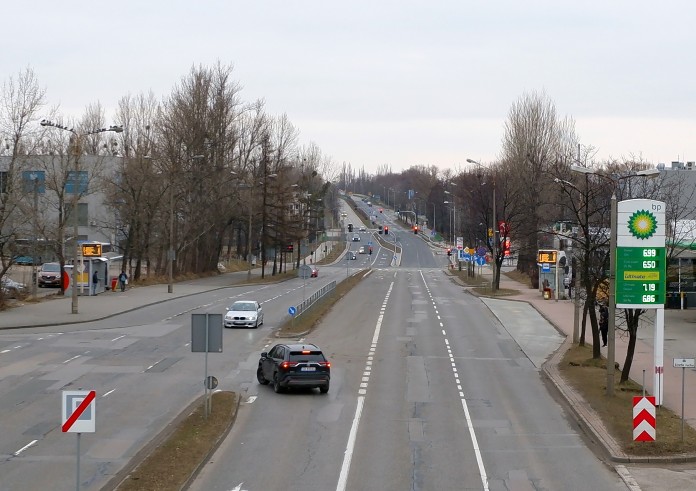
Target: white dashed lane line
point(362, 392)
point(465, 407)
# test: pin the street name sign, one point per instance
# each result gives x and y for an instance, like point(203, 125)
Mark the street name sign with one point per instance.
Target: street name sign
point(684, 363)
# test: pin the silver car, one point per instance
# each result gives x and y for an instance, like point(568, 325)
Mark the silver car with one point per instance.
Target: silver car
point(244, 313)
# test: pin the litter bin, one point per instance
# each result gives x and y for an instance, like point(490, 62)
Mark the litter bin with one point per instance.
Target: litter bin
point(113, 284)
point(547, 293)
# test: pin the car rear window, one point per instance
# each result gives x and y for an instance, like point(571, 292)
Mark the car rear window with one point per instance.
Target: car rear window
point(311, 356)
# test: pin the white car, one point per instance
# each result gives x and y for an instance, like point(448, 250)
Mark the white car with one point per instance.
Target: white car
point(356, 238)
point(362, 228)
point(244, 313)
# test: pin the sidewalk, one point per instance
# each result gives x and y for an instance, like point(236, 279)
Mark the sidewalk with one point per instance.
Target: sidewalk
point(680, 341)
point(57, 311)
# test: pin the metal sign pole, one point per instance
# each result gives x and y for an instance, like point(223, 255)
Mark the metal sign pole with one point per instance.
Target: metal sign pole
point(205, 379)
point(77, 485)
point(682, 415)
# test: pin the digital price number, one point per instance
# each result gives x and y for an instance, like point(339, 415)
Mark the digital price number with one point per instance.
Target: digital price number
point(640, 276)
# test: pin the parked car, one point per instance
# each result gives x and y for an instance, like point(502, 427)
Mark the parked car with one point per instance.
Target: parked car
point(23, 260)
point(294, 365)
point(49, 275)
point(11, 288)
point(244, 313)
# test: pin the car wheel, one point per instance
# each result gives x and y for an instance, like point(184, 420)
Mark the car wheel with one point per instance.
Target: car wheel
point(261, 320)
point(276, 384)
point(256, 324)
point(324, 388)
point(259, 376)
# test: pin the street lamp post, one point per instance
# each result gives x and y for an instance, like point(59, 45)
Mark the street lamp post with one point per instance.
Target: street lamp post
point(611, 328)
point(76, 187)
point(576, 303)
point(494, 228)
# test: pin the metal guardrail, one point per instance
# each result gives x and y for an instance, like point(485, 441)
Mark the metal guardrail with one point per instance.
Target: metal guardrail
point(314, 298)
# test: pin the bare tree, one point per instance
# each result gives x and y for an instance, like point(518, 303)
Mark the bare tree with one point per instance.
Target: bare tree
point(21, 99)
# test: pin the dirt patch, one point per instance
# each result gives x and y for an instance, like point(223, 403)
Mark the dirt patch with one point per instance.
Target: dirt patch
point(176, 459)
point(588, 376)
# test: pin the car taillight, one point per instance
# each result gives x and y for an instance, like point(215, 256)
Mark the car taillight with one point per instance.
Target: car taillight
point(287, 364)
point(326, 364)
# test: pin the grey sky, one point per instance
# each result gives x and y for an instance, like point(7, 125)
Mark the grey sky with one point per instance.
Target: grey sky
point(385, 82)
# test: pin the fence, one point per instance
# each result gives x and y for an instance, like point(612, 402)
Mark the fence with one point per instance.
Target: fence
point(318, 295)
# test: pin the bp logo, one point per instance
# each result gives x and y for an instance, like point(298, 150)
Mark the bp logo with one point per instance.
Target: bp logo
point(642, 224)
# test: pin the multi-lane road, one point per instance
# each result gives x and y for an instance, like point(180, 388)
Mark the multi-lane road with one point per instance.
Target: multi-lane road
point(429, 391)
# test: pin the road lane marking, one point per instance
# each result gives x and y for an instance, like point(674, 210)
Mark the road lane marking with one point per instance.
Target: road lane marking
point(107, 393)
point(465, 407)
point(71, 359)
point(117, 338)
point(362, 392)
point(33, 442)
point(348, 455)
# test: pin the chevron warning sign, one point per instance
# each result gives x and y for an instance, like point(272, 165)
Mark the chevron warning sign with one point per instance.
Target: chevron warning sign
point(644, 419)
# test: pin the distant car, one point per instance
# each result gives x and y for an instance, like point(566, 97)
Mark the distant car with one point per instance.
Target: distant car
point(294, 365)
point(315, 272)
point(356, 238)
point(23, 260)
point(244, 313)
point(351, 255)
point(11, 288)
point(49, 275)
point(362, 228)
point(362, 250)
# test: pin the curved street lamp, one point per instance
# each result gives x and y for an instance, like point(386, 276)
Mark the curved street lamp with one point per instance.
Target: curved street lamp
point(76, 187)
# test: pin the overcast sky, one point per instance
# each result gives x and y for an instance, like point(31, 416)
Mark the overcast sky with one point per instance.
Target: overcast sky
point(385, 82)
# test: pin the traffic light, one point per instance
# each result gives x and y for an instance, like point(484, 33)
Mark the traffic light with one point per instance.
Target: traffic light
point(289, 248)
point(386, 230)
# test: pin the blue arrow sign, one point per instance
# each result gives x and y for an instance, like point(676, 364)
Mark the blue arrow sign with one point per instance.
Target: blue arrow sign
point(292, 311)
point(480, 260)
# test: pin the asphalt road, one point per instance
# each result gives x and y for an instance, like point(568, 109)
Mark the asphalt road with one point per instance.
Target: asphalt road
point(431, 389)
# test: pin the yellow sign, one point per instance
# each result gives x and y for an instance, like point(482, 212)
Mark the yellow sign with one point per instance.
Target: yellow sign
point(547, 257)
point(91, 250)
point(641, 276)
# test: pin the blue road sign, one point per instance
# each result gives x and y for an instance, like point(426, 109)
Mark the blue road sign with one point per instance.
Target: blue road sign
point(480, 260)
point(545, 267)
point(481, 251)
point(292, 311)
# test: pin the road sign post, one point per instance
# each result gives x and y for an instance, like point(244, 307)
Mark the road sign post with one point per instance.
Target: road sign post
point(78, 416)
point(683, 363)
point(206, 336)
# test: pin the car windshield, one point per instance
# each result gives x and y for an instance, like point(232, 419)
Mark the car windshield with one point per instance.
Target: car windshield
point(243, 306)
point(311, 356)
point(51, 267)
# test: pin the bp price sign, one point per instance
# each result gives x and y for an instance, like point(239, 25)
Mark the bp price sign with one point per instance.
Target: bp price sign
point(641, 267)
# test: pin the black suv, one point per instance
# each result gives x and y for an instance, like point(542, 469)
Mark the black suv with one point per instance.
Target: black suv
point(294, 365)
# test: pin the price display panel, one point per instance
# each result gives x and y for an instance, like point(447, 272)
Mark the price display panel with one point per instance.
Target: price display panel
point(640, 277)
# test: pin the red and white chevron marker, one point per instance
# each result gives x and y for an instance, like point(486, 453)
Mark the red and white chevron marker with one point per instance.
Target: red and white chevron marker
point(644, 419)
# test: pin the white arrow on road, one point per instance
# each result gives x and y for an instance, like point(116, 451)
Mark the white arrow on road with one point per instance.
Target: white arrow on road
point(238, 487)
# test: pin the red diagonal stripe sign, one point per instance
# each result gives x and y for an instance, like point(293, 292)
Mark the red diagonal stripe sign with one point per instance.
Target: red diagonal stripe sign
point(80, 409)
